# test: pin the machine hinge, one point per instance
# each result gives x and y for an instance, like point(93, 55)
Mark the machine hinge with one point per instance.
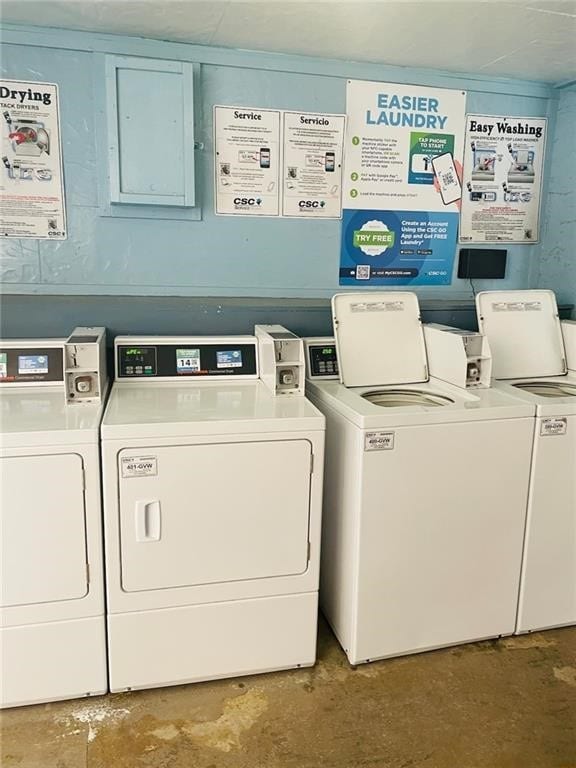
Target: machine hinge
point(87, 573)
point(309, 547)
point(311, 463)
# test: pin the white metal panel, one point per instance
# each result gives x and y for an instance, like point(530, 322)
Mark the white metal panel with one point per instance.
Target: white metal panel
point(53, 661)
point(440, 537)
point(43, 529)
point(548, 587)
point(379, 338)
point(214, 513)
point(569, 334)
point(523, 330)
point(203, 642)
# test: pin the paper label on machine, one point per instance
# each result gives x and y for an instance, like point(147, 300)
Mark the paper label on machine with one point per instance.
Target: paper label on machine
point(139, 466)
point(379, 441)
point(557, 426)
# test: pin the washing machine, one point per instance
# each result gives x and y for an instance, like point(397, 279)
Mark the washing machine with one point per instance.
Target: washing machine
point(426, 485)
point(52, 633)
point(533, 352)
point(212, 503)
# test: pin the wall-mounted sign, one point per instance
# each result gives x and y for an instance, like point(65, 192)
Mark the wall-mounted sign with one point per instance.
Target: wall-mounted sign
point(31, 178)
point(503, 161)
point(246, 161)
point(312, 167)
point(402, 188)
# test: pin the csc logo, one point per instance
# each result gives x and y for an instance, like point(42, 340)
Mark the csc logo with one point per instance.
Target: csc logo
point(311, 204)
point(244, 201)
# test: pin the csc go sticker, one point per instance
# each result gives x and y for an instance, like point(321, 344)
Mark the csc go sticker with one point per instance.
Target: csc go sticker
point(139, 466)
point(378, 441)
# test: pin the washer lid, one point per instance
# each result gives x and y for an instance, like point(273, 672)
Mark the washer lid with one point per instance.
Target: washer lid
point(379, 338)
point(524, 333)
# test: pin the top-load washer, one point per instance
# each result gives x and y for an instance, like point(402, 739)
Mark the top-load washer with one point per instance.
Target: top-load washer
point(52, 636)
point(531, 357)
point(425, 487)
point(212, 504)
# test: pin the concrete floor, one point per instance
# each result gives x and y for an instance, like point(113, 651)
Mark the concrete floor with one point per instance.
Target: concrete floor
point(503, 704)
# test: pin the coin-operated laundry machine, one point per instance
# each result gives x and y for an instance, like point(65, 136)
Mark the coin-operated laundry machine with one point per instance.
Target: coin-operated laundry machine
point(425, 484)
point(212, 501)
point(52, 635)
point(532, 351)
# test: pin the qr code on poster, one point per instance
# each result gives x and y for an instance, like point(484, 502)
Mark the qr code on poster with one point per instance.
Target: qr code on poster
point(363, 272)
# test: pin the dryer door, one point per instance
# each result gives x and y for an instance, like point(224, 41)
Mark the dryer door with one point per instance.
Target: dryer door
point(43, 529)
point(213, 513)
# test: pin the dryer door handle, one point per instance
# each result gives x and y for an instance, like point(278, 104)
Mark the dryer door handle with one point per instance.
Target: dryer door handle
point(148, 521)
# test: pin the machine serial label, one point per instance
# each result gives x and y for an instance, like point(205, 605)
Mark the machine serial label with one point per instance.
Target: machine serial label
point(139, 466)
point(554, 426)
point(377, 306)
point(517, 306)
point(378, 441)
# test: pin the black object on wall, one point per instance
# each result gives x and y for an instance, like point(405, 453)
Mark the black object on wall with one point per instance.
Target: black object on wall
point(487, 263)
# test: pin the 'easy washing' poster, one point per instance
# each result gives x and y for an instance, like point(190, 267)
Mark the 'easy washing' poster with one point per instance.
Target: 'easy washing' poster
point(502, 179)
point(399, 224)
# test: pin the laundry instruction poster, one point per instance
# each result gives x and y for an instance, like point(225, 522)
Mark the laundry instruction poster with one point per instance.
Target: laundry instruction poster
point(247, 161)
point(401, 196)
point(312, 165)
point(503, 162)
point(32, 182)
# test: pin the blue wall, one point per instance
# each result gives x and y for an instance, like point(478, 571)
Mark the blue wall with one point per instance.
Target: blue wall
point(557, 262)
point(224, 256)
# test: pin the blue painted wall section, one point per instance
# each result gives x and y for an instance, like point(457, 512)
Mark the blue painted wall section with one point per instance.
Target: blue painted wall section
point(557, 262)
point(214, 256)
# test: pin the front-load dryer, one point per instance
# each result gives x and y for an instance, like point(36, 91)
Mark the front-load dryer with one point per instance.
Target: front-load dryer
point(531, 358)
point(52, 635)
point(212, 506)
point(425, 488)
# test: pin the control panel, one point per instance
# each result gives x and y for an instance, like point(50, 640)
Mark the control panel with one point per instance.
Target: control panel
point(321, 358)
point(185, 358)
point(85, 365)
point(31, 362)
point(459, 357)
point(281, 359)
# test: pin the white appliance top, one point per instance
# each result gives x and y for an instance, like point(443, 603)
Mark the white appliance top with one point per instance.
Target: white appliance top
point(39, 416)
point(163, 409)
point(524, 333)
point(379, 338)
point(431, 402)
point(552, 396)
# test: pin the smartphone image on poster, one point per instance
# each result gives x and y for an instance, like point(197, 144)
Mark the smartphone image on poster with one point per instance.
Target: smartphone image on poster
point(329, 162)
point(445, 172)
point(265, 157)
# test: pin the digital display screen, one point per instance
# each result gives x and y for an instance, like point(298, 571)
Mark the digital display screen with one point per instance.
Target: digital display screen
point(32, 364)
point(188, 361)
point(228, 358)
point(3, 365)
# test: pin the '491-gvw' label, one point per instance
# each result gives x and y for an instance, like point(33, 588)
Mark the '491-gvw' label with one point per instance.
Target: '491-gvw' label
point(139, 466)
point(558, 426)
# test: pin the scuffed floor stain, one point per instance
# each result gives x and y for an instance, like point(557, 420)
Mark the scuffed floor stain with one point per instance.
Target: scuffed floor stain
point(166, 732)
point(93, 715)
point(566, 675)
point(224, 733)
point(521, 642)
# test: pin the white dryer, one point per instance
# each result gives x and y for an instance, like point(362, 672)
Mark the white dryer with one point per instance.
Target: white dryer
point(52, 636)
point(212, 503)
point(425, 488)
point(531, 356)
